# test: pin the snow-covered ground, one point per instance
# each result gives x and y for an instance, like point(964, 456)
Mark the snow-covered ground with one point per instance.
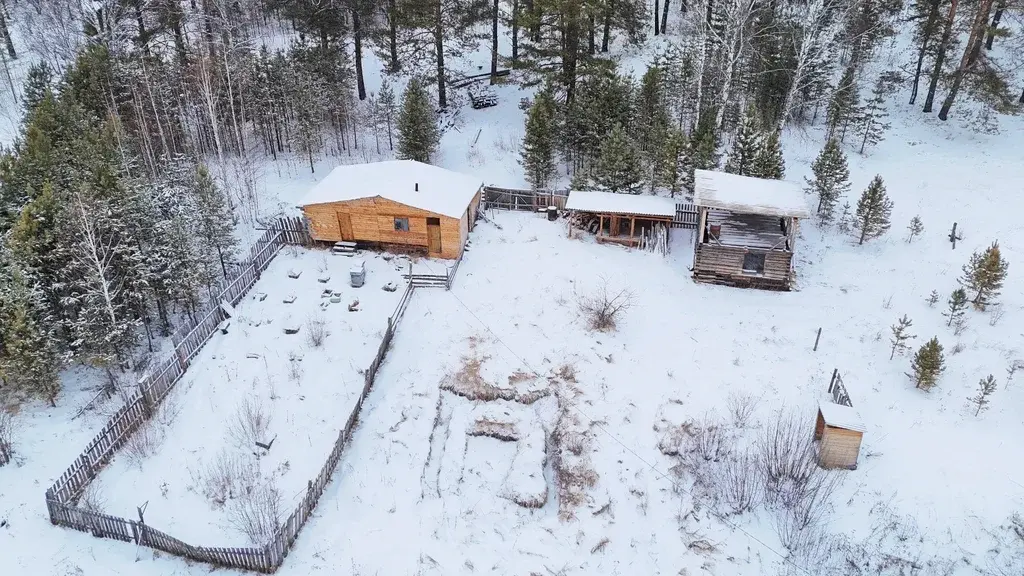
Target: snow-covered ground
point(193, 459)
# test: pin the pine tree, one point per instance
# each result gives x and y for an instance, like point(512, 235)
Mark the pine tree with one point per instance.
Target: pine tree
point(984, 275)
point(957, 306)
point(915, 228)
point(650, 109)
point(900, 336)
point(745, 147)
point(38, 82)
point(986, 387)
point(417, 124)
point(769, 162)
point(927, 365)
point(30, 361)
point(704, 142)
point(618, 167)
point(537, 155)
point(674, 165)
point(387, 109)
point(214, 220)
point(844, 104)
point(831, 179)
point(873, 210)
point(933, 298)
point(845, 222)
point(871, 124)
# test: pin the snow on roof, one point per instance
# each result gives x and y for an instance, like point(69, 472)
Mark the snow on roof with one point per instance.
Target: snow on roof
point(747, 195)
point(636, 204)
point(839, 416)
point(440, 191)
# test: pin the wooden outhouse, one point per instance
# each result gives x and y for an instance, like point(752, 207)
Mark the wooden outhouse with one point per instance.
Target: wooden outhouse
point(621, 218)
point(401, 204)
point(746, 230)
point(839, 431)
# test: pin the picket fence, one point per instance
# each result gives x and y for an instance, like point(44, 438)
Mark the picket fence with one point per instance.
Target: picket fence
point(63, 496)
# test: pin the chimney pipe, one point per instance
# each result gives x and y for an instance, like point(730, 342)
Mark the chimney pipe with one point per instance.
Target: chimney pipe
point(417, 189)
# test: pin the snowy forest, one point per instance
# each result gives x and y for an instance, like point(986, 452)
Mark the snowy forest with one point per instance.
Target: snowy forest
point(142, 121)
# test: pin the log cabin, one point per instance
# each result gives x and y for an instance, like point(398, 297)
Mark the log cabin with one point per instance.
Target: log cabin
point(621, 218)
point(397, 204)
point(746, 230)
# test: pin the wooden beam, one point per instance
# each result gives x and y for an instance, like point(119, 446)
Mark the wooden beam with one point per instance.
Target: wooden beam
point(632, 224)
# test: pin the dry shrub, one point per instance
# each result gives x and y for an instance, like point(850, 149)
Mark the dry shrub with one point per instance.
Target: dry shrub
point(468, 382)
point(574, 474)
point(740, 484)
point(742, 408)
point(92, 498)
point(142, 443)
point(604, 308)
point(250, 424)
point(567, 372)
point(6, 436)
point(504, 431)
point(707, 441)
point(316, 331)
point(225, 477)
point(257, 512)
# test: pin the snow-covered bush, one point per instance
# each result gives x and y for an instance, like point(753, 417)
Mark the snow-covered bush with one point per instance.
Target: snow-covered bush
point(250, 424)
point(603, 309)
point(257, 512)
point(316, 331)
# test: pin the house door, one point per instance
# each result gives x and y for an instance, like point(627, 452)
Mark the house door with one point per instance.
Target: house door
point(433, 235)
point(345, 226)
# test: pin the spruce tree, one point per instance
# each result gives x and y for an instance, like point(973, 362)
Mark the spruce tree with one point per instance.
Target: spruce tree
point(914, 229)
point(704, 142)
point(831, 180)
point(38, 82)
point(844, 104)
point(871, 124)
point(214, 220)
point(957, 307)
point(900, 335)
point(537, 155)
point(873, 211)
point(984, 275)
point(769, 162)
point(618, 167)
point(417, 124)
point(674, 165)
point(387, 109)
point(986, 387)
point(745, 147)
point(927, 365)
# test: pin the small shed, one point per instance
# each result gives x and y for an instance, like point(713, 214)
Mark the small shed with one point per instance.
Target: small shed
point(746, 230)
point(395, 203)
point(840, 431)
point(621, 218)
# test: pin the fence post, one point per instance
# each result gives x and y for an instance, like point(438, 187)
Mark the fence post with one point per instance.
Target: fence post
point(144, 391)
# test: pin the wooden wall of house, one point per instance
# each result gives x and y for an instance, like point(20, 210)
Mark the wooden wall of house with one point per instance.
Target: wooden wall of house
point(714, 263)
point(373, 220)
point(839, 447)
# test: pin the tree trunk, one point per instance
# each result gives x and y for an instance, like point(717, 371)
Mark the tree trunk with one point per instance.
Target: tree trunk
point(592, 49)
point(442, 97)
point(995, 24)
point(393, 35)
point(515, 32)
point(664, 16)
point(142, 40)
point(606, 34)
point(7, 36)
point(1021, 99)
point(657, 13)
point(971, 53)
point(933, 15)
point(940, 56)
point(357, 36)
point(494, 43)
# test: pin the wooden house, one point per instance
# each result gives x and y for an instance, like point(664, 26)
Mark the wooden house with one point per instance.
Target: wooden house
point(840, 432)
point(746, 230)
point(400, 204)
point(621, 218)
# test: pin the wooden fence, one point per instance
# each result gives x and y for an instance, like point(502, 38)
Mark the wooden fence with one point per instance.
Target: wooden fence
point(516, 199)
point(62, 498)
point(686, 216)
point(293, 230)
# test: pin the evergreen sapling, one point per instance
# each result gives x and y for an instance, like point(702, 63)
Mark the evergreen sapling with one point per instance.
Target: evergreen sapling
point(873, 211)
point(914, 229)
point(984, 275)
point(674, 168)
point(933, 298)
point(900, 335)
point(769, 162)
point(831, 180)
point(871, 122)
point(537, 155)
point(957, 307)
point(745, 147)
point(417, 124)
point(986, 387)
point(618, 167)
point(927, 365)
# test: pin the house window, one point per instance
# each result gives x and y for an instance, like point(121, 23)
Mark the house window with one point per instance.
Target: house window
point(753, 262)
point(401, 224)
